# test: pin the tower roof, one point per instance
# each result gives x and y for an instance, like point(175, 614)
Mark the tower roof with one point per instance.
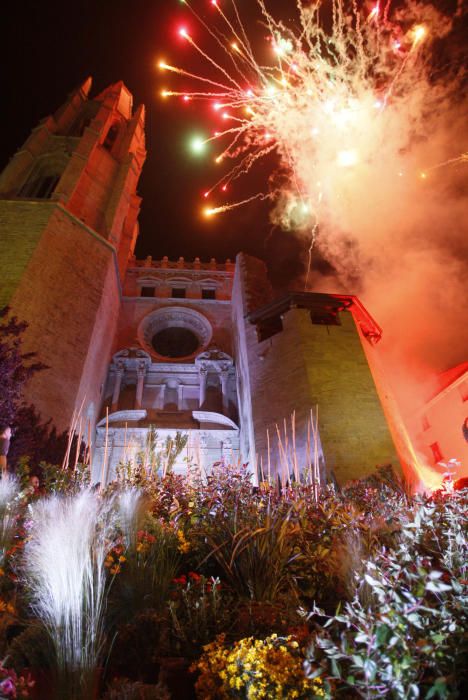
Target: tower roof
point(445, 379)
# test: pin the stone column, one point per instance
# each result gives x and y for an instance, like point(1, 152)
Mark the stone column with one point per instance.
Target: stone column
point(224, 376)
point(141, 372)
point(180, 397)
point(119, 373)
point(226, 450)
point(162, 397)
point(203, 374)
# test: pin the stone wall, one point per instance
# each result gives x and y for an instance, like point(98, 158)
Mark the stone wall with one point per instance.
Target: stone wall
point(69, 296)
point(65, 249)
point(304, 366)
point(21, 226)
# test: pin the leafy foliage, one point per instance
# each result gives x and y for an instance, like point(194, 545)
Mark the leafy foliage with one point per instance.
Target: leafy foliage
point(411, 637)
point(190, 559)
point(16, 367)
point(200, 610)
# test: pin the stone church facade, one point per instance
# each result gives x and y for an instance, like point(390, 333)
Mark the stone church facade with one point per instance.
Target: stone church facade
point(203, 349)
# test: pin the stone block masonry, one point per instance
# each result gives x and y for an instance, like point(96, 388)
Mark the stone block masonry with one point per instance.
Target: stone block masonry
point(301, 365)
point(66, 289)
point(68, 225)
point(21, 226)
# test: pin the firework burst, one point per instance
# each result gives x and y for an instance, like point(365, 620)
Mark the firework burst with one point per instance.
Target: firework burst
point(368, 139)
point(343, 98)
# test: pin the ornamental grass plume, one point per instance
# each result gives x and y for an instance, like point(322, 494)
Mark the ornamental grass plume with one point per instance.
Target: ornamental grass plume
point(130, 504)
point(64, 570)
point(9, 507)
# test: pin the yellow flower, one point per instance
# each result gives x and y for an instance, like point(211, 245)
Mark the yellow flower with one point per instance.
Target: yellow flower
point(264, 668)
point(7, 607)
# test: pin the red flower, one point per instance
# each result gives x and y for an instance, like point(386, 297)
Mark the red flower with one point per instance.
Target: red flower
point(196, 578)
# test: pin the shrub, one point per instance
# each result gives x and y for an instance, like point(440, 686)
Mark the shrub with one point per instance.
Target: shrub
point(144, 571)
point(411, 637)
point(200, 610)
point(121, 689)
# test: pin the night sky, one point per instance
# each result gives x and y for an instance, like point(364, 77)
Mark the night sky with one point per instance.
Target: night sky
point(50, 47)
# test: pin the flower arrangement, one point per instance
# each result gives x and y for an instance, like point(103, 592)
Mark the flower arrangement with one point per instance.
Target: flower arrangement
point(14, 686)
point(256, 669)
point(200, 609)
point(395, 564)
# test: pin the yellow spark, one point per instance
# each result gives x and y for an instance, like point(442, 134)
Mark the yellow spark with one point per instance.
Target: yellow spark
point(209, 211)
point(347, 158)
point(419, 32)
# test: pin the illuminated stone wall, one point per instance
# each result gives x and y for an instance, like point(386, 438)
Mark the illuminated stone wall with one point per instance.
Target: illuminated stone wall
point(302, 366)
point(68, 209)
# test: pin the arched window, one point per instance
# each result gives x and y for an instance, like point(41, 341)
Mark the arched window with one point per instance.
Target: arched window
point(111, 137)
point(41, 182)
point(83, 119)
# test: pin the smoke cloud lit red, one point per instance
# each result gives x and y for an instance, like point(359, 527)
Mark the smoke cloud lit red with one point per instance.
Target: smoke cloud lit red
point(366, 110)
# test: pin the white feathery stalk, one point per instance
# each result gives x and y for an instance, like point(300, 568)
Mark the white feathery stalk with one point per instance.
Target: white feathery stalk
point(128, 508)
point(9, 505)
point(64, 570)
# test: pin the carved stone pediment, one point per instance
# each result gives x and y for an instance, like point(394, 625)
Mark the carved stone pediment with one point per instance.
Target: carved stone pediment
point(122, 417)
point(214, 355)
point(130, 359)
point(214, 359)
point(214, 418)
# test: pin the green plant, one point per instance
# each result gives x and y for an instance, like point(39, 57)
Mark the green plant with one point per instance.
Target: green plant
point(10, 503)
point(122, 689)
point(137, 644)
point(12, 685)
point(255, 553)
point(411, 637)
point(200, 610)
point(59, 479)
point(31, 648)
point(145, 569)
point(154, 462)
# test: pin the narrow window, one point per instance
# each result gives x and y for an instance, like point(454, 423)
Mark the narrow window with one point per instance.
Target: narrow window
point(147, 291)
point(178, 293)
point(437, 454)
point(111, 137)
point(208, 293)
point(79, 125)
point(39, 187)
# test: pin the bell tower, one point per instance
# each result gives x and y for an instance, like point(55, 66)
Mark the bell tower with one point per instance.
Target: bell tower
point(68, 225)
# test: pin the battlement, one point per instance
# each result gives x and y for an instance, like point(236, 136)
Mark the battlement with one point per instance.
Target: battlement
point(181, 264)
point(179, 279)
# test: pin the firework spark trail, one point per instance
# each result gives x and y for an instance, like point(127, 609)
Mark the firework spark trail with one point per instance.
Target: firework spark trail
point(322, 100)
point(208, 211)
point(353, 106)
